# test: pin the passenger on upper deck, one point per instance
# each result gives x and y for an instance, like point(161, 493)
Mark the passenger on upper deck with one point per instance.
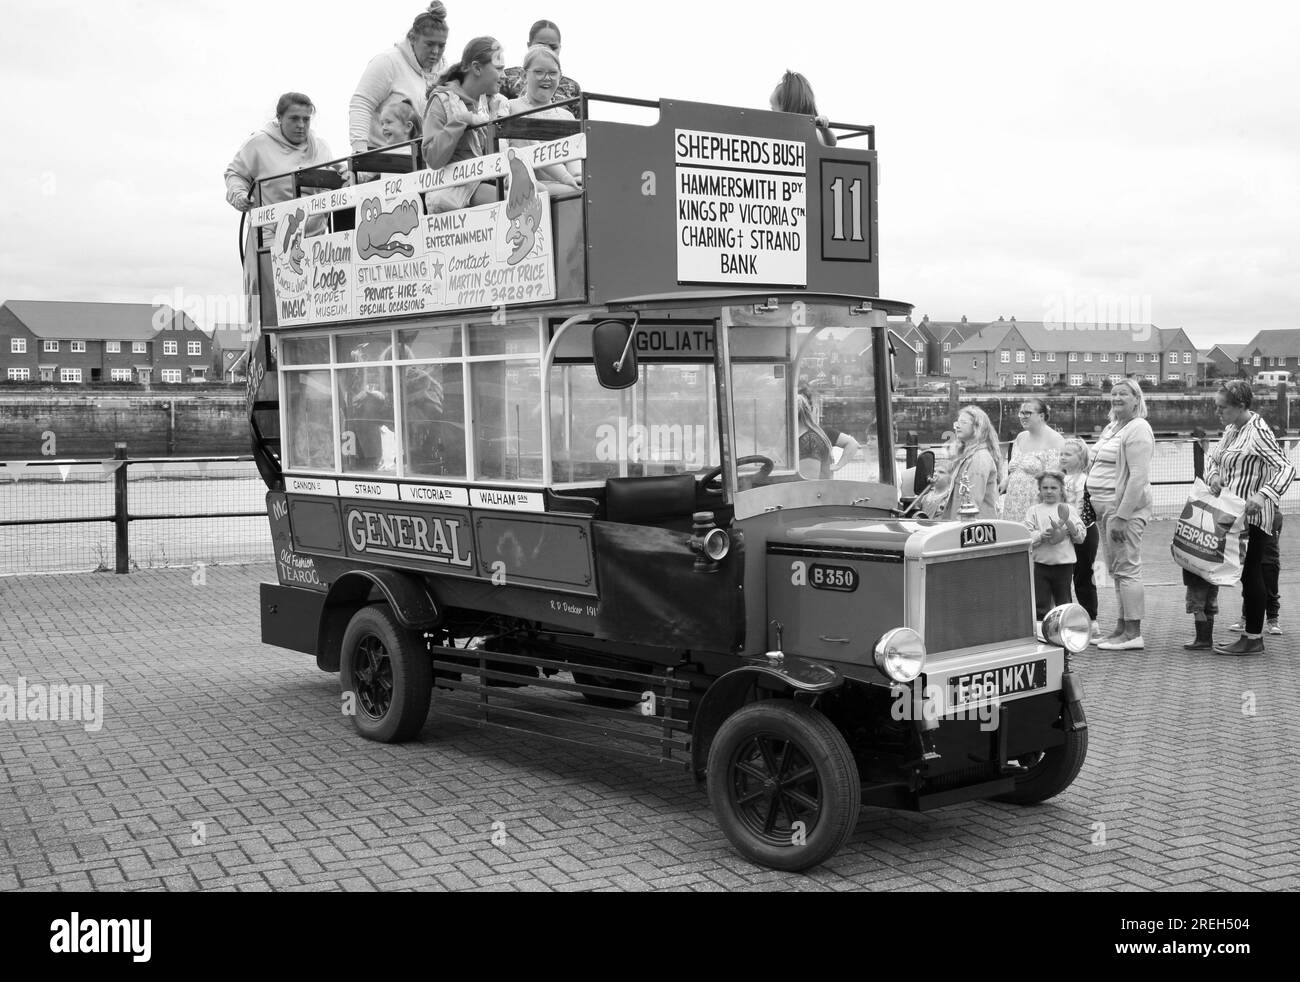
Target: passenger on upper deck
point(285, 144)
point(399, 122)
point(545, 33)
point(453, 110)
point(541, 72)
point(409, 69)
point(795, 95)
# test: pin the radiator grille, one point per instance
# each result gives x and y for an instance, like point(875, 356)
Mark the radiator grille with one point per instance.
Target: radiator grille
point(980, 600)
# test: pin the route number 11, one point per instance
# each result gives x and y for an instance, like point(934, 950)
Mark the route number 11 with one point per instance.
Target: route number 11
point(855, 205)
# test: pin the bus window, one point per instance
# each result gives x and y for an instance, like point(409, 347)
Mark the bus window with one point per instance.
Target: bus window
point(368, 432)
point(433, 402)
point(762, 409)
point(507, 420)
point(584, 421)
point(309, 409)
point(836, 367)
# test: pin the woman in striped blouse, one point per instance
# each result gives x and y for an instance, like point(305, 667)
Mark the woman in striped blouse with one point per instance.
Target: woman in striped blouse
point(1250, 464)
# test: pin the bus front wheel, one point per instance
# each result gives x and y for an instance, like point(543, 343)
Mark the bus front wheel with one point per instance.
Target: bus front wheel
point(783, 784)
point(386, 675)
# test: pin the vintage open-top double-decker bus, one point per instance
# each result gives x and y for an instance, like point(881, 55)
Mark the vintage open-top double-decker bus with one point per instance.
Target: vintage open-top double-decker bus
point(544, 455)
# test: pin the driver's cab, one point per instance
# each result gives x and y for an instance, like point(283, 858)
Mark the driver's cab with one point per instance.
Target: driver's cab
point(663, 413)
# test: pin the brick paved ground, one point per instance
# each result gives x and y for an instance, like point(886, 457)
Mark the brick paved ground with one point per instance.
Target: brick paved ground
point(1191, 780)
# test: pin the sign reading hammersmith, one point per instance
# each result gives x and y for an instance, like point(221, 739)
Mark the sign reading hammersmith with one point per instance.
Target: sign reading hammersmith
point(401, 261)
point(741, 209)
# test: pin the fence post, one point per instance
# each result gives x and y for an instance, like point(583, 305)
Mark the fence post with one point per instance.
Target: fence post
point(912, 448)
point(121, 518)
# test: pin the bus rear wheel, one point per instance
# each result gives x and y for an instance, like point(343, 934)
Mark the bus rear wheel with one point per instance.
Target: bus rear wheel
point(783, 784)
point(386, 675)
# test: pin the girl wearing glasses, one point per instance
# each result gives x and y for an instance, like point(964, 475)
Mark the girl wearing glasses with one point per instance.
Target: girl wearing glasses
point(542, 76)
point(1037, 449)
point(513, 80)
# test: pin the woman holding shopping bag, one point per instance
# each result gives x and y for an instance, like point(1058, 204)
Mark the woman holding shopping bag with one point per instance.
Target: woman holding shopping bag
point(1119, 486)
point(1249, 463)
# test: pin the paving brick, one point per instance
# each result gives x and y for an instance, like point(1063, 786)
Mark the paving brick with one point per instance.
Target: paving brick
point(247, 739)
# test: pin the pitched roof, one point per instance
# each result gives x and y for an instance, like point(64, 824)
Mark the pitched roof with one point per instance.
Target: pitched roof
point(1279, 344)
point(59, 320)
point(1232, 351)
point(941, 329)
point(231, 339)
point(1071, 336)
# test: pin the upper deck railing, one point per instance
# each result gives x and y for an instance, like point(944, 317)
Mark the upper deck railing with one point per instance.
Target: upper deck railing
point(707, 201)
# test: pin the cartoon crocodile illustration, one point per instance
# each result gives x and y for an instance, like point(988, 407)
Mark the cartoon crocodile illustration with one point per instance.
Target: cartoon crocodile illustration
point(524, 209)
point(377, 229)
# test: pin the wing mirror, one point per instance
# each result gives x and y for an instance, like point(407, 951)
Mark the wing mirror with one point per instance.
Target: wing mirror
point(613, 351)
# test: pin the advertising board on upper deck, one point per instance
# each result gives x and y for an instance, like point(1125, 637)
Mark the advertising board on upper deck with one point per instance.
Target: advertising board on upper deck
point(400, 261)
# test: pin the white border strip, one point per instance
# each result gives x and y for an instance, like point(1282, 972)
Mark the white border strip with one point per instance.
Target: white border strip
point(489, 168)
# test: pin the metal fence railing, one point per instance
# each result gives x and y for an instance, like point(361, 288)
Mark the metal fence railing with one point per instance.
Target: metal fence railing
point(69, 516)
point(122, 514)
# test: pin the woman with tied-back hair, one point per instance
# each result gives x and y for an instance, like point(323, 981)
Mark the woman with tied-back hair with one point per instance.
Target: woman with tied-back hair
point(513, 80)
point(541, 74)
point(409, 69)
point(816, 443)
point(794, 94)
point(1119, 487)
point(1037, 449)
point(976, 463)
point(454, 124)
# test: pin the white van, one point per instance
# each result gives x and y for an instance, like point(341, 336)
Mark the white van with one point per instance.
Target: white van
point(1272, 378)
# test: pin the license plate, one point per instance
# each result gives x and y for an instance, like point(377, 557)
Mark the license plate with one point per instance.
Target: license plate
point(994, 683)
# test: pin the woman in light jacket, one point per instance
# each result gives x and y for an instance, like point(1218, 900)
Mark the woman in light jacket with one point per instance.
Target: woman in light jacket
point(1119, 486)
point(976, 462)
point(408, 69)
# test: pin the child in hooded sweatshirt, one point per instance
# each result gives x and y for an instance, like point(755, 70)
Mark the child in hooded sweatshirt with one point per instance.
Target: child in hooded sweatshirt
point(1054, 526)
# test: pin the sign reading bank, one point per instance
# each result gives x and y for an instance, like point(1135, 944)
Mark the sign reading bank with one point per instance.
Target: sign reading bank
point(741, 209)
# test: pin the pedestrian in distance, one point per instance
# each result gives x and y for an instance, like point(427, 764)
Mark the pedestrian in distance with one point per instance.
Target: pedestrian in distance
point(1036, 450)
point(1249, 462)
point(1074, 465)
point(1119, 487)
point(977, 465)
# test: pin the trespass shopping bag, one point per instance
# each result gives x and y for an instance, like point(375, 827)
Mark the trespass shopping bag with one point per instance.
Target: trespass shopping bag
point(1210, 539)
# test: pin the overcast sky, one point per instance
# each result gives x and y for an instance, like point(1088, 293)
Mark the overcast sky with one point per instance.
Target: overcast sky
point(1125, 156)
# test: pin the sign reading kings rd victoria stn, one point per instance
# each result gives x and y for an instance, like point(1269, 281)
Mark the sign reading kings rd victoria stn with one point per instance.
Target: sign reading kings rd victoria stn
point(741, 209)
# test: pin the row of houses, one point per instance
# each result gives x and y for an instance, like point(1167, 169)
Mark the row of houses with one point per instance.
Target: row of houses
point(1008, 353)
point(71, 343)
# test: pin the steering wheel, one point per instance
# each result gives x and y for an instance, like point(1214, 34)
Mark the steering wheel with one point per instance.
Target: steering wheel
point(714, 474)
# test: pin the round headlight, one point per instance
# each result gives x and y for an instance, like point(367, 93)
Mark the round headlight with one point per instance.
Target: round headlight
point(717, 544)
point(1068, 625)
point(900, 654)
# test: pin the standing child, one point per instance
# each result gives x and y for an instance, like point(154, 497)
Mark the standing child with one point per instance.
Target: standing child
point(932, 499)
point(1074, 462)
point(1054, 525)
